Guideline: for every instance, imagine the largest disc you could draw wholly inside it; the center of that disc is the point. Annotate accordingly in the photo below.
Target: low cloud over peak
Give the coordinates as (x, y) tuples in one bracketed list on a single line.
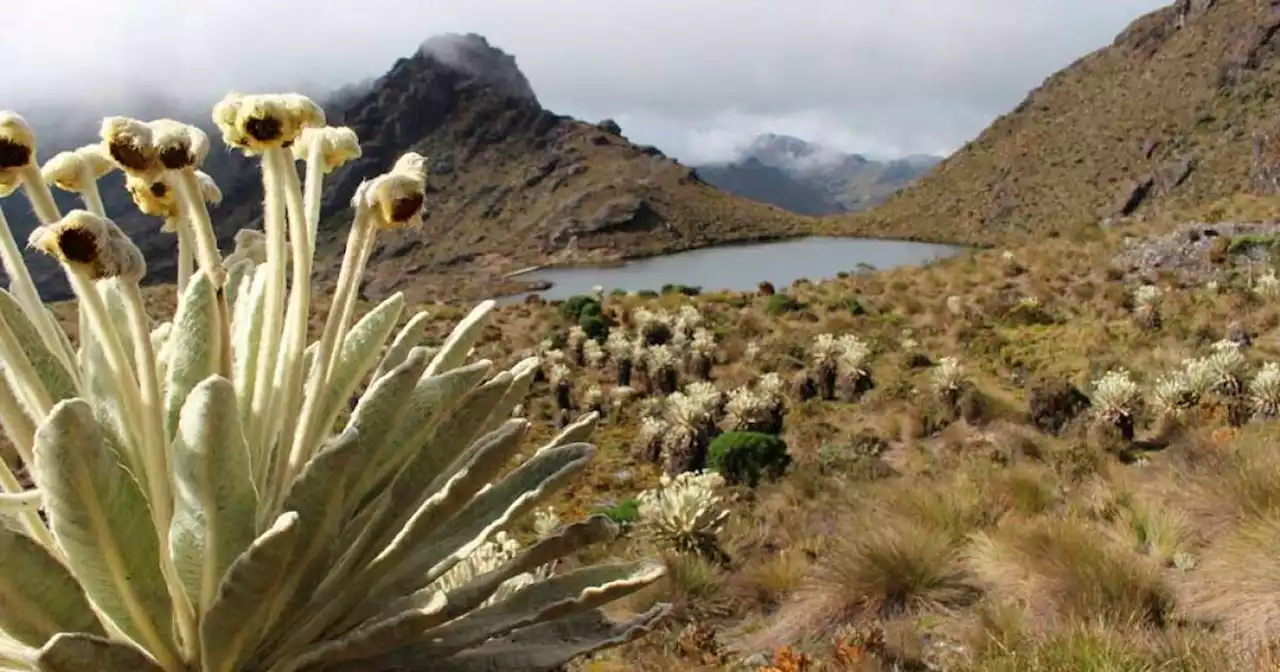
[(700, 80)]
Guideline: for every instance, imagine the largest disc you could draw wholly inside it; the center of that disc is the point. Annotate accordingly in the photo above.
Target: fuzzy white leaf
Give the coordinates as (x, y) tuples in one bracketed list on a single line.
[(38, 595), (232, 627), (357, 355), (58, 382), (101, 519), (215, 502), (77, 652), (408, 338), (194, 348), (457, 346)]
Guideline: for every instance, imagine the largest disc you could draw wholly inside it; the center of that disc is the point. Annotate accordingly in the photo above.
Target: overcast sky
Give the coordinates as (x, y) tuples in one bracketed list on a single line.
[(698, 78)]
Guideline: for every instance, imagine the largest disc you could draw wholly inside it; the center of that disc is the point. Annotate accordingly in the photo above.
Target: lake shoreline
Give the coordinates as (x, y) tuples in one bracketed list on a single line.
[(735, 266)]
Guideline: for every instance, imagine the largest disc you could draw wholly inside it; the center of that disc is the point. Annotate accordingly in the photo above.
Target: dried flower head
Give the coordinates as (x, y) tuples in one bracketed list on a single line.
[(69, 171), (154, 195), (255, 123), (397, 196), (17, 150), (338, 145), (179, 146), (91, 245), (131, 145)]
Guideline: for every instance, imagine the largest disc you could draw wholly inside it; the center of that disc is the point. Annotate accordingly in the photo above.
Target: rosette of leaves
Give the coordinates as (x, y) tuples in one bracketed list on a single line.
[(202, 508)]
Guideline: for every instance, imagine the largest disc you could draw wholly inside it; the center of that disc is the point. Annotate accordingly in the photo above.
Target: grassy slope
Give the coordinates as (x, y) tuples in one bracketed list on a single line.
[(1016, 549), (1062, 159)]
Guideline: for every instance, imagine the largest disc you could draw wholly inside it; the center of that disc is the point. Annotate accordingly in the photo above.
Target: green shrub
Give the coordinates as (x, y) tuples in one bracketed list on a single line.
[(573, 308), (782, 303), (744, 457), (686, 290), (596, 327), (625, 512), (855, 307), (647, 294)]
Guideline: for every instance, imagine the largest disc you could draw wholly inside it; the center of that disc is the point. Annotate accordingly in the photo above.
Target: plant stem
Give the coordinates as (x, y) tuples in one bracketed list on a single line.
[(186, 258), (311, 195), (39, 195), (308, 429), (274, 221), (206, 243), (91, 196), (155, 447), (289, 372), (122, 374), (24, 290), (349, 300)]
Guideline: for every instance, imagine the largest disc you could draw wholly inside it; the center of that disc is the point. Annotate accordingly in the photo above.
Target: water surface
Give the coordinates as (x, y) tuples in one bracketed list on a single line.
[(740, 267)]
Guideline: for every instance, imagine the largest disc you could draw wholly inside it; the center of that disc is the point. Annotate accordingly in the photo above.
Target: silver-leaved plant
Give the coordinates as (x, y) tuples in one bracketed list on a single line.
[(197, 507)]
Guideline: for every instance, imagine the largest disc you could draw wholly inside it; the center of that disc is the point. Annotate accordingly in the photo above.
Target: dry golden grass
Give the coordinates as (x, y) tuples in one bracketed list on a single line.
[(1061, 571), (1236, 583)]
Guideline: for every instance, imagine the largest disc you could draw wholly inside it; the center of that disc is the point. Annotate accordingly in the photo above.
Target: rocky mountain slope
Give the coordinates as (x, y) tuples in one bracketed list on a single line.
[(809, 179), (511, 185), (1178, 112)]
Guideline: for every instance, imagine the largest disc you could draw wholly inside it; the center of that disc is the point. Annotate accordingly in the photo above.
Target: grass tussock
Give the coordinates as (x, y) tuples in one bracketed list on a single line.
[(1060, 571), (1235, 584)]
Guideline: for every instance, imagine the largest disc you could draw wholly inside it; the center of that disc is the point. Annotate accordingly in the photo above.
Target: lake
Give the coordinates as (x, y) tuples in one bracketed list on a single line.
[(740, 267)]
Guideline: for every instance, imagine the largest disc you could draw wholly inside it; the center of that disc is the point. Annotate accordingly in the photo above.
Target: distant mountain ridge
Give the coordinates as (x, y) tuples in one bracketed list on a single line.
[(511, 184), (809, 179)]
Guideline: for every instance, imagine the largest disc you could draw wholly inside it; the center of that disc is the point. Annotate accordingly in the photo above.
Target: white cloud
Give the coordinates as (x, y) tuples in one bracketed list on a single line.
[(695, 77)]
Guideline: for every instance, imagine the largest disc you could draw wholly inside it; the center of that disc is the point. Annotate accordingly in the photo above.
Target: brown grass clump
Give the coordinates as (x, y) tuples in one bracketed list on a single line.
[(1060, 571), (880, 567), (1236, 583)]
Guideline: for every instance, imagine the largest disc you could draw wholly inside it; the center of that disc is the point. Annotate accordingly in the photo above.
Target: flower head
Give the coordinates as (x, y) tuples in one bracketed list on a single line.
[(17, 150), (131, 145), (179, 145), (398, 195), (256, 123), (338, 145), (68, 170), (92, 245), (153, 195)]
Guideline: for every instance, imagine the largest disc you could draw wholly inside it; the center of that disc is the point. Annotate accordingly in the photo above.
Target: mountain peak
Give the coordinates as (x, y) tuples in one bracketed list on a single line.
[(473, 56)]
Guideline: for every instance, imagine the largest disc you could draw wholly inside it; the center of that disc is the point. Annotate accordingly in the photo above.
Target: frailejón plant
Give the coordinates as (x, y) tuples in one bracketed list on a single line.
[(202, 512)]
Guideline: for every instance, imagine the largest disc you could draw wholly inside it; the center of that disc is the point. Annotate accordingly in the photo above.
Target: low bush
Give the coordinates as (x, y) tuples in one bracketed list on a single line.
[(745, 457)]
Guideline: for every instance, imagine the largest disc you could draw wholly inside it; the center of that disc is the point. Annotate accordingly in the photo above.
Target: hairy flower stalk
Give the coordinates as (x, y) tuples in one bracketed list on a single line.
[(17, 164), (268, 125), (78, 172), (390, 201), (387, 548), (325, 150), (93, 249)]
